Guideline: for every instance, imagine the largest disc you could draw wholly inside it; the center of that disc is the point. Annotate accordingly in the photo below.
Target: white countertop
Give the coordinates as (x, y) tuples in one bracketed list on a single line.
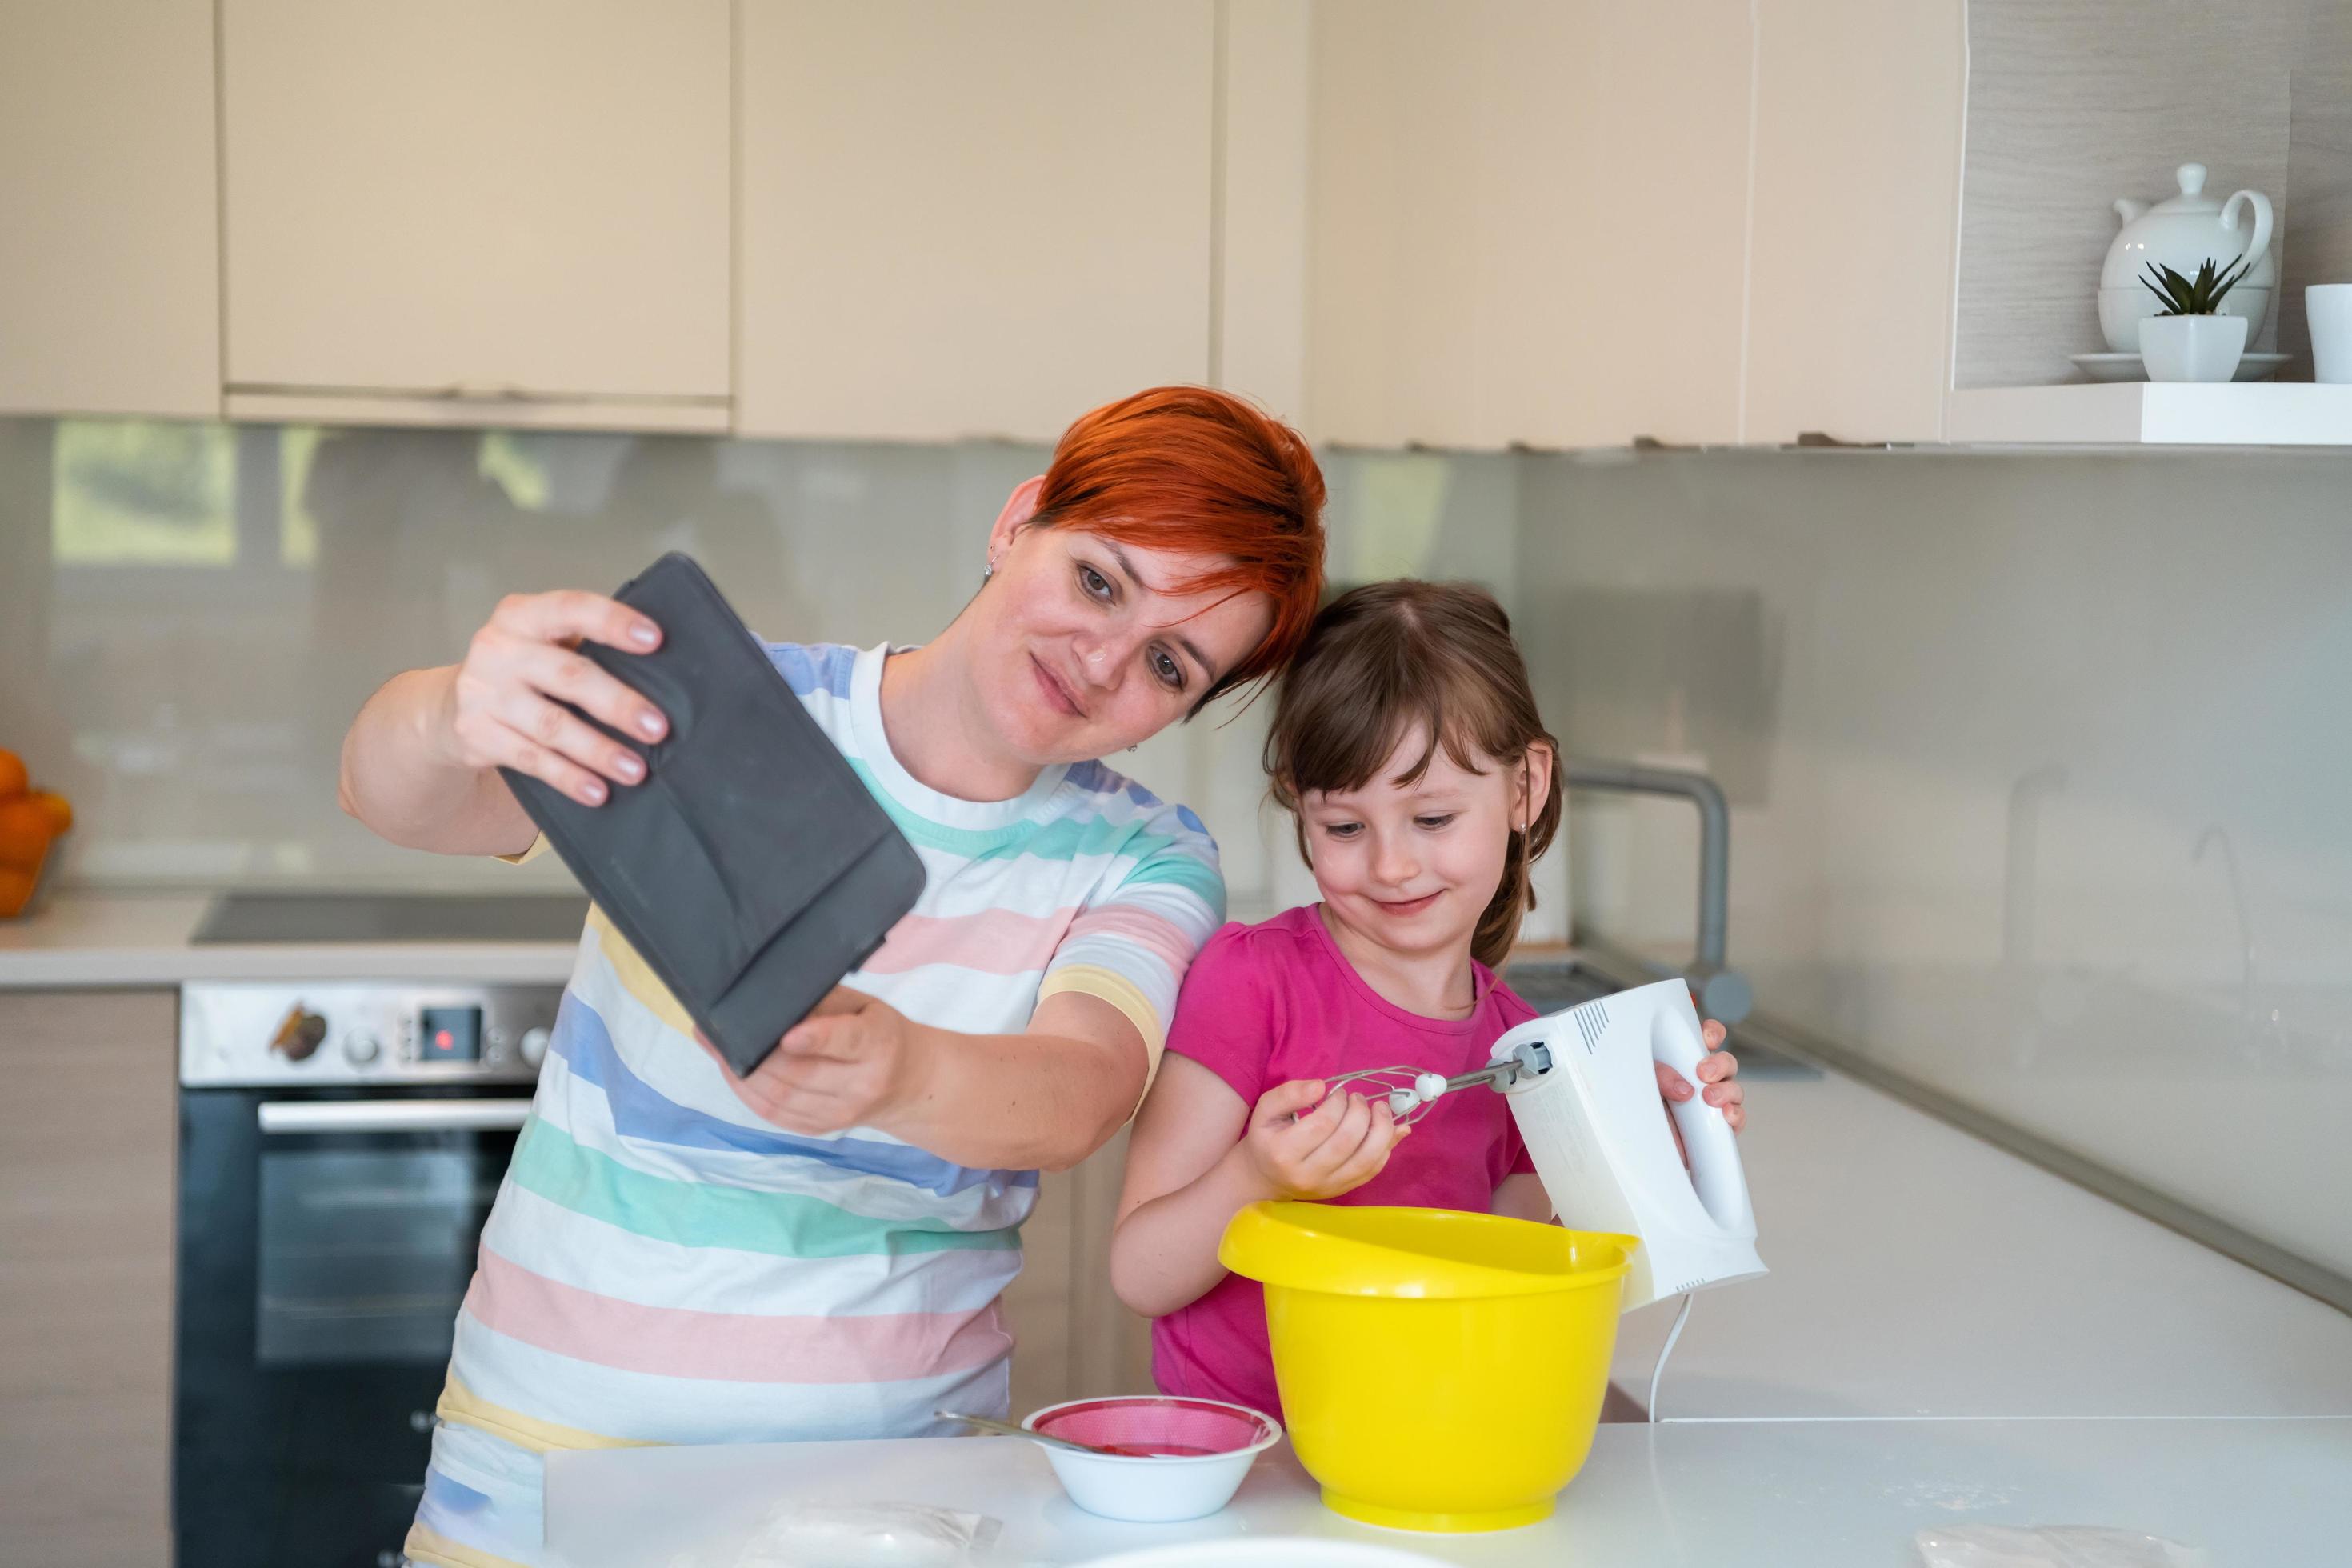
[(2258, 1494), (1918, 1271), (1949, 1335), (113, 939)]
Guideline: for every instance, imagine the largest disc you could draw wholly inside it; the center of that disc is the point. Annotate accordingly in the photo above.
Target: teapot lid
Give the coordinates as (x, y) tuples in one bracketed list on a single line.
[(2192, 197)]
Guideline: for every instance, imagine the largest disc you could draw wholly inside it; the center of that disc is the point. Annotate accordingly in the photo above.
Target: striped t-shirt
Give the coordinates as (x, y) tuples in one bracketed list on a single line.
[(664, 1266)]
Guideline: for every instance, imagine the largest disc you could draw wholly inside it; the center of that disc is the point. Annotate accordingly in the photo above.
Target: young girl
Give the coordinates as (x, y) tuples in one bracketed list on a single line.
[(1406, 743)]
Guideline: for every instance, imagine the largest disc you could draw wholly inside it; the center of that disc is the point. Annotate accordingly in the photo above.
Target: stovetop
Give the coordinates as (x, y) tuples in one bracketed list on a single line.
[(274, 916)]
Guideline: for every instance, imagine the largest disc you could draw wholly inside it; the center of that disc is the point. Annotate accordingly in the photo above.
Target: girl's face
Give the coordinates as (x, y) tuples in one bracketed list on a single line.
[(1410, 868), (1082, 647)]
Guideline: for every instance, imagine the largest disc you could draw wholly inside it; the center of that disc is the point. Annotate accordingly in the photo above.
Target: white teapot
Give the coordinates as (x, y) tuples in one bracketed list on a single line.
[(2180, 232)]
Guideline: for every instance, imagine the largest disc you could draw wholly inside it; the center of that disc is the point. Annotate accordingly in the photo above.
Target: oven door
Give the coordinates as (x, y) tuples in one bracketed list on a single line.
[(326, 1239)]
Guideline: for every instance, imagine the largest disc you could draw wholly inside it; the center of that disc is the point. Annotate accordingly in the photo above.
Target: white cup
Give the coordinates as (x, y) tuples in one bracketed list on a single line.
[(2328, 308)]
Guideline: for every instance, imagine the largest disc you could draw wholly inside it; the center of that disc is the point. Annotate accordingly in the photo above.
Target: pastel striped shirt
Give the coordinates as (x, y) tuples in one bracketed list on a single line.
[(664, 1266)]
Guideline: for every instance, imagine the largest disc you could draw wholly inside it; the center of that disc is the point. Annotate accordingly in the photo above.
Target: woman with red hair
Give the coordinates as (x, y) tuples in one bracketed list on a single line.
[(816, 1251)]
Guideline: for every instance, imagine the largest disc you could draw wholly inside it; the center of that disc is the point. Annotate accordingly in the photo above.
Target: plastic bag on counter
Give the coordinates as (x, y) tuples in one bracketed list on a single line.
[(2052, 1546), (851, 1535)]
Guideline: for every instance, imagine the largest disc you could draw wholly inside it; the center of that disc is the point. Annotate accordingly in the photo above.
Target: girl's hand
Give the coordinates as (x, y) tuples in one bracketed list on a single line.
[(1718, 1080), (851, 1063), (1334, 1148), (501, 713)]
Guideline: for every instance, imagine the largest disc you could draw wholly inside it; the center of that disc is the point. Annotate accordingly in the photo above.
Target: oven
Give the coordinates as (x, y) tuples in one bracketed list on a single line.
[(340, 1148)]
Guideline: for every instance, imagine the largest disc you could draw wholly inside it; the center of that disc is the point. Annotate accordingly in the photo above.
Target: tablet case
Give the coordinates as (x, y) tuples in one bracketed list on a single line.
[(750, 869)]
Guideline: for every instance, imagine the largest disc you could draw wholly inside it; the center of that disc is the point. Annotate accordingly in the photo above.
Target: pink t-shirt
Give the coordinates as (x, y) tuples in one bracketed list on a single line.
[(1269, 1004)]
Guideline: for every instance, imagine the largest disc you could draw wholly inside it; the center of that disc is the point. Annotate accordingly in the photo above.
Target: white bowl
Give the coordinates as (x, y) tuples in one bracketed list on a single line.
[(1154, 1488)]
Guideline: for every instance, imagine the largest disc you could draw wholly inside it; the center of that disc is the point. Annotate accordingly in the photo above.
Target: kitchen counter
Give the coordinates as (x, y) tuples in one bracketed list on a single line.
[(90, 940), (1819, 1493), (1917, 1271), (1949, 1335)]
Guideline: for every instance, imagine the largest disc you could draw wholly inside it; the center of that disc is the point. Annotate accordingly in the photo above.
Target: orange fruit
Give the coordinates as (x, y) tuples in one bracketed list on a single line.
[(24, 832), (60, 810), (15, 891), (14, 780)]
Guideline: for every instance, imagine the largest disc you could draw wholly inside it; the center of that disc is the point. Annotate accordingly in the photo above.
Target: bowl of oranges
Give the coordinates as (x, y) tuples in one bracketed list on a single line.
[(31, 822)]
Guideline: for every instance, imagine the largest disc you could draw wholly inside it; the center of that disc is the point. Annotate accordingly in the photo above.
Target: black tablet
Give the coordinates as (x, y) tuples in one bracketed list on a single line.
[(751, 868)]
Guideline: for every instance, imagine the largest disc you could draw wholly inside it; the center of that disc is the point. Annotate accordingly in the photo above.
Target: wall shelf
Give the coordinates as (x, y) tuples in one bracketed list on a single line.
[(2158, 414)]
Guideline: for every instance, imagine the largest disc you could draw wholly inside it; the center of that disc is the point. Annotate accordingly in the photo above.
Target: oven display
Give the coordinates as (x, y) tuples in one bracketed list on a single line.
[(450, 1034)]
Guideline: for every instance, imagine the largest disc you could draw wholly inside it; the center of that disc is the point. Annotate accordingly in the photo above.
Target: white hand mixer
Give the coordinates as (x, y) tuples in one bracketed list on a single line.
[(1584, 1093)]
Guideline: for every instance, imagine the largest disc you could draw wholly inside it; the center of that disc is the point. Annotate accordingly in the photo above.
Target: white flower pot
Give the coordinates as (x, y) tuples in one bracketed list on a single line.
[(2191, 348)]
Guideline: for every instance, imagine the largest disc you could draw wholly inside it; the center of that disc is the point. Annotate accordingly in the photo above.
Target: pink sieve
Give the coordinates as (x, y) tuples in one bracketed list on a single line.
[(1139, 1428)]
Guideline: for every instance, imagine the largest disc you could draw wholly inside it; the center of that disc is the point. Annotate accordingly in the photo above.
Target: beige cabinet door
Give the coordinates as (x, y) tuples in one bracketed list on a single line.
[(1528, 221), (1856, 219), (110, 280), (514, 213), (89, 1138), (970, 220)]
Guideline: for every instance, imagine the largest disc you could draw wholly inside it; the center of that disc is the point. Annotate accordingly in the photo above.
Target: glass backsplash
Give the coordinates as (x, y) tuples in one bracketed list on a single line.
[(2038, 771), (191, 614), (2037, 763)]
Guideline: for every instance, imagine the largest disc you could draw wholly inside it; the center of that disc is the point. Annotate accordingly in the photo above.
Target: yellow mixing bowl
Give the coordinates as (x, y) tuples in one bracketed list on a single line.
[(1439, 1371)]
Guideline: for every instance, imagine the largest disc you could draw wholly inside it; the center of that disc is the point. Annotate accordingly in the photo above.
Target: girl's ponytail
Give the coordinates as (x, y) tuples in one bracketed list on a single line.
[(1498, 926)]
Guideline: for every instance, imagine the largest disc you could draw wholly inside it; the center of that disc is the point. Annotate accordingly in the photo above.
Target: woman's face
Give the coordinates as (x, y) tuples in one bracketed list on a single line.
[(1082, 647)]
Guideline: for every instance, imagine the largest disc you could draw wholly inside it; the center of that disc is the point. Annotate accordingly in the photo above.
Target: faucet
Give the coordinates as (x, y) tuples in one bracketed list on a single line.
[(1723, 992)]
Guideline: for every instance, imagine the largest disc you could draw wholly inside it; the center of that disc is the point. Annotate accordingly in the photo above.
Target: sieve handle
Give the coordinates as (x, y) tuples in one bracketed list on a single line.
[(991, 1423)]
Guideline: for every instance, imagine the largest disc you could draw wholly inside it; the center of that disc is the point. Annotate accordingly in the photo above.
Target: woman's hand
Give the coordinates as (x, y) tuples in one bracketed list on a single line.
[(1334, 1148), (1718, 1080), (501, 712), (853, 1062)]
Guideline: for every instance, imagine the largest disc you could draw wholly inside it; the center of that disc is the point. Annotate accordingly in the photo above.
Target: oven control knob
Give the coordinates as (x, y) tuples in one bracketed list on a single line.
[(534, 1047), (360, 1047), (298, 1033)]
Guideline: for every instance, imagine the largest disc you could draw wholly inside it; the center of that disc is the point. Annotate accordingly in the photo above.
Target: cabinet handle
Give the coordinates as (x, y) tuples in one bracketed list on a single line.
[(484, 392), (391, 1115)]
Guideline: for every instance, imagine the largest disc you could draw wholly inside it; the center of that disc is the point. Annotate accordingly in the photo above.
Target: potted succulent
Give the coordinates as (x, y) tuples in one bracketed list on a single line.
[(2191, 339)]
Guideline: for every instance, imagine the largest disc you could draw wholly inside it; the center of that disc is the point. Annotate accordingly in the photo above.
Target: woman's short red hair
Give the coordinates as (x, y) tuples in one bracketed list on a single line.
[(1189, 468)]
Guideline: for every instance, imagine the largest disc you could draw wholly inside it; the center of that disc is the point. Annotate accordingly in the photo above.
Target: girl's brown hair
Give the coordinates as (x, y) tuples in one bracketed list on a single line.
[(1387, 658)]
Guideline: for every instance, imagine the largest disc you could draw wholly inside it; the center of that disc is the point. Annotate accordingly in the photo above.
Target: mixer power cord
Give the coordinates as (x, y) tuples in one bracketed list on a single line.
[(1664, 1350)]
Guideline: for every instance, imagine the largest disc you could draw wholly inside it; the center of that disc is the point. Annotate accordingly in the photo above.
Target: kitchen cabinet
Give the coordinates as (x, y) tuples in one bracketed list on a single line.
[(1855, 218), (452, 213), (970, 220), (109, 282), (1571, 225), (1528, 222), (88, 1140)]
